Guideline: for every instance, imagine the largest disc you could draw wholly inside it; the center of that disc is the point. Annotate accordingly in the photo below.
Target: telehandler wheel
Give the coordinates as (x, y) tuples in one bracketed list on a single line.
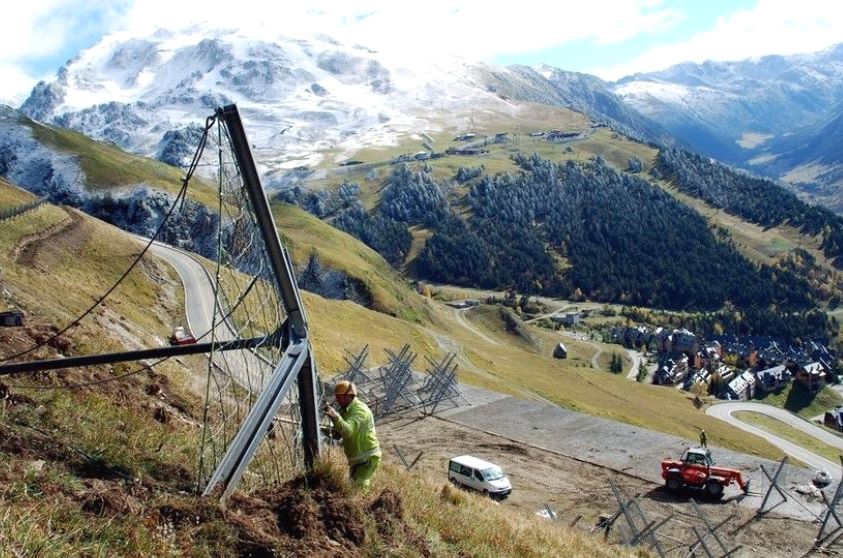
[(673, 483), (714, 490)]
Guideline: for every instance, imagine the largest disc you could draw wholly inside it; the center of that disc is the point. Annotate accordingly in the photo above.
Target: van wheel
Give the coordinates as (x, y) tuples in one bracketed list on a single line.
[(485, 493)]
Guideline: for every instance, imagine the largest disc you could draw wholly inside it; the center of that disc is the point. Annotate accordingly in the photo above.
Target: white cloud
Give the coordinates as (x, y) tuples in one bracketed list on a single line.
[(35, 30), (771, 27), (16, 84), (472, 28), (475, 29)]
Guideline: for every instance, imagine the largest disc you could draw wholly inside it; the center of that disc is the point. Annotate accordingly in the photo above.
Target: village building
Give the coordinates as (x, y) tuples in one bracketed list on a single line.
[(811, 375), (568, 320), (683, 341), (671, 370), (774, 378), (560, 351), (743, 386), (696, 377), (834, 418)]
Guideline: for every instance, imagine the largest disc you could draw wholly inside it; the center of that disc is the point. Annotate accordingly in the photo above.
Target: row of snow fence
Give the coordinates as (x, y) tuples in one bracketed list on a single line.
[(7, 213)]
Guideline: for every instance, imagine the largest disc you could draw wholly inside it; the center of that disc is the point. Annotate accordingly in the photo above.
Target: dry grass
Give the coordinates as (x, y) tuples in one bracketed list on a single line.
[(304, 234), (69, 288), (11, 195), (459, 522)]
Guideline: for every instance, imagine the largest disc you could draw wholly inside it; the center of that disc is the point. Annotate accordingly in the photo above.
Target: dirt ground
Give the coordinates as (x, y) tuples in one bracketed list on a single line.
[(574, 488)]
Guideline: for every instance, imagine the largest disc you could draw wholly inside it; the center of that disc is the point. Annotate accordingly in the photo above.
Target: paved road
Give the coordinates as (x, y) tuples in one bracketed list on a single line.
[(247, 369), (198, 290), (635, 356), (724, 411)]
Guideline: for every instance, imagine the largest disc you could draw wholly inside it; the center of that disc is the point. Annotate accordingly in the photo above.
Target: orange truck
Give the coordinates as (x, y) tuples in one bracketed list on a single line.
[(696, 470)]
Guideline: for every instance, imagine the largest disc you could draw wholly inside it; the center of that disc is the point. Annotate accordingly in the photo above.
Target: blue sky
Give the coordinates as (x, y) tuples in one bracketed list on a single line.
[(608, 38), (590, 55)]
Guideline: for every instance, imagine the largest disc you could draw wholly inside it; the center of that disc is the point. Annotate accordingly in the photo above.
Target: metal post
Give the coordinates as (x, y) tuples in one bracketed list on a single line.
[(242, 449), (701, 542), (831, 512), (278, 257), (708, 526), (309, 406), (143, 354), (773, 485), (282, 268)]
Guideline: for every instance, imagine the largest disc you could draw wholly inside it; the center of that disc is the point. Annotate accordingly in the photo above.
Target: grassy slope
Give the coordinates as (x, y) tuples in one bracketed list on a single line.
[(70, 288), (11, 195), (789, 433), (305, 234), (57, 504), (109, 168)]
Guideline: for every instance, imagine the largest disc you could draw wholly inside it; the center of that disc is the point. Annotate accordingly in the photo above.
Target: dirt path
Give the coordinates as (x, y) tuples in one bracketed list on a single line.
[(68, 231), (595, 359), (460, 315)]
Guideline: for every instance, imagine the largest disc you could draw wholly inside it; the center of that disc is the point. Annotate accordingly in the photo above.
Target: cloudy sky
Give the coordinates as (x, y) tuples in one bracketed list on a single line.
[(608, 38)]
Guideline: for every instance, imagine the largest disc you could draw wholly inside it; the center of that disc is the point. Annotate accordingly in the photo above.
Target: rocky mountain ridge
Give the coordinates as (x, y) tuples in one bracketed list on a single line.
[(299, 98), (770, 115)]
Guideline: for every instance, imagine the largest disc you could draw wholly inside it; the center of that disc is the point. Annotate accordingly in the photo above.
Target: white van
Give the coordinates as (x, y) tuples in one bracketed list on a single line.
[(478, 474)]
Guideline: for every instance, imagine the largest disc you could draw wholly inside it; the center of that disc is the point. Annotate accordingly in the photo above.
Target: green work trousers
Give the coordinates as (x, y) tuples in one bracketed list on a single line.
[(363, 473)]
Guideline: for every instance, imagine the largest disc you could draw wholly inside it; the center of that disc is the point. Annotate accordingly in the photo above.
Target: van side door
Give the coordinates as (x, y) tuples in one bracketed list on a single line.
[(479, 481)]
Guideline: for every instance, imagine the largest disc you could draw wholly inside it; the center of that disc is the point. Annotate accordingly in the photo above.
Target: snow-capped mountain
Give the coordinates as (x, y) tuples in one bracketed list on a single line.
[(729, 110), (299, 97)]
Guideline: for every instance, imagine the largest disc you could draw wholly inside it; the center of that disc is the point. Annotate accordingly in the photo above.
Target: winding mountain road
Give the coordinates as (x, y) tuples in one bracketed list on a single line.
[(198, 290), (247, 368), (723, 411)]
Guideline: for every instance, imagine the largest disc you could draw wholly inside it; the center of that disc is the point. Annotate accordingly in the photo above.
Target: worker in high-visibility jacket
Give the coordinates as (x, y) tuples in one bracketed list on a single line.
[(356, 425)]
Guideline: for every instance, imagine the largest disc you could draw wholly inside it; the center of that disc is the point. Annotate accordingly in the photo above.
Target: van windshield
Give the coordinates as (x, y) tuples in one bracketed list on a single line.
[(492, 473)]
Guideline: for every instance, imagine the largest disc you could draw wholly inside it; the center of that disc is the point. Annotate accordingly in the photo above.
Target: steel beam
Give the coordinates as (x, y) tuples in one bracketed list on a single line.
[(145, 354), (285, 277), (239, 454)]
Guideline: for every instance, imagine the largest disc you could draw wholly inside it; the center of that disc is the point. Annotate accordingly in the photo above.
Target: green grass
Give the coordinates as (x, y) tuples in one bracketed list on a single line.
[(789, 433), (305, 234), (11, 195), (107, 167), (796, 399)]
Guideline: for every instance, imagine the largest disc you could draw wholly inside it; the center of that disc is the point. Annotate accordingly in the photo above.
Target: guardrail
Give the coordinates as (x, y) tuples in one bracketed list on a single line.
[(7, 213)]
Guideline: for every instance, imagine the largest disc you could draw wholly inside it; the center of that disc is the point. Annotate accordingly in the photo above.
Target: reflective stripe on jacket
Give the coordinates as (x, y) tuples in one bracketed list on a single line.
[(356, 425)]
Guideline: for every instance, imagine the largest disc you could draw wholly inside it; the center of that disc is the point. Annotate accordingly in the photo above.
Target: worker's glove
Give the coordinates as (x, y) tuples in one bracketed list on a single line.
[(332, 413)]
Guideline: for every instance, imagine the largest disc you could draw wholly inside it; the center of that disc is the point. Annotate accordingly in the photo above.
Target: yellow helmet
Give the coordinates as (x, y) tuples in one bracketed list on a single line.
[(345, 388)]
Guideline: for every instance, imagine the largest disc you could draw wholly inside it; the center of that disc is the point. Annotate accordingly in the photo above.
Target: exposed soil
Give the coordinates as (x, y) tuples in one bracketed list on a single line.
[(64, 237), (576, 488), (307, 516)]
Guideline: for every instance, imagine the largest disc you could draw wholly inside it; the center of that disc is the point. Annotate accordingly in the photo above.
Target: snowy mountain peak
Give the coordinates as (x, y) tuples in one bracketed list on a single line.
[(142, 91)]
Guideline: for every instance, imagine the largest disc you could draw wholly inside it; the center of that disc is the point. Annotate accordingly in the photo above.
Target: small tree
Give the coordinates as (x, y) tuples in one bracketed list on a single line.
[(635, 164), (616, 366), (310, 278)]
